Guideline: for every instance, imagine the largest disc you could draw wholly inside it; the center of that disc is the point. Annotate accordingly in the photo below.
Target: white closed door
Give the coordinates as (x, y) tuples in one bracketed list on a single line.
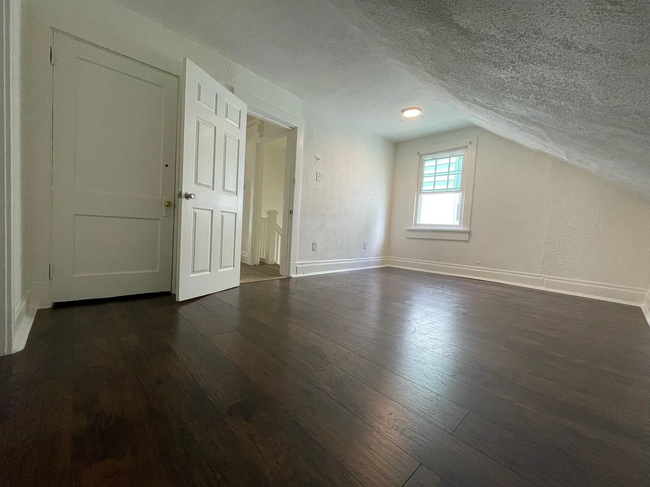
[(115, 125), (212, 186)]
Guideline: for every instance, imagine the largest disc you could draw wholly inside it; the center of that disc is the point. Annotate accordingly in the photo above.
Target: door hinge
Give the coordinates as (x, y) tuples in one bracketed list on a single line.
[(50, 272), (52, 56)]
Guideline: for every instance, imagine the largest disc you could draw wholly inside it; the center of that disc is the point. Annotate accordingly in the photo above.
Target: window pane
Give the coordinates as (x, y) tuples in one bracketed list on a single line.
[(456, 163), (439, 209), (443, 173), (454, 182), (442, 165), (441, 183)]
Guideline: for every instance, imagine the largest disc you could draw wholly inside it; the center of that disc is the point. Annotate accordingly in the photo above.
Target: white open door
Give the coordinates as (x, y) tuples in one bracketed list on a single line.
[(212, 182)]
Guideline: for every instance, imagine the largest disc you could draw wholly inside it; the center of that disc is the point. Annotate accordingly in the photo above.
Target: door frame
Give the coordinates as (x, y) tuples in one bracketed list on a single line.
[(7, 315), (293, 172)]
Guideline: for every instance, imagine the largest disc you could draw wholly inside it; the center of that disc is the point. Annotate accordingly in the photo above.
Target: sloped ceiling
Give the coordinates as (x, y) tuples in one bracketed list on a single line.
[(568, 77)]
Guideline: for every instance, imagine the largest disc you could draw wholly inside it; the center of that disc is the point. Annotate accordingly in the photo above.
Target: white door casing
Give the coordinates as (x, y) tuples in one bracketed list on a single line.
[(295, 142), (257, 203), (287, 209), (114, 157), (212, 171)]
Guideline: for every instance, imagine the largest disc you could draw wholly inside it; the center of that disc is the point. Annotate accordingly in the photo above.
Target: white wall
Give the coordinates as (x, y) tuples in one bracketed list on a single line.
[(532, 214), (357, 165), (596, 230), (349, 205)]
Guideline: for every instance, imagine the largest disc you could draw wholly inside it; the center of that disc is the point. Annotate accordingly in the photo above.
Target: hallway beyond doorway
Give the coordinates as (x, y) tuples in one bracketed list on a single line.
[(262, 272)]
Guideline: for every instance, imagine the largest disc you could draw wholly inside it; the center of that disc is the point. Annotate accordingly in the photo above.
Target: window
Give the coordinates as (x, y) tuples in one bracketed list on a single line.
[(440, 197), (443, 200)]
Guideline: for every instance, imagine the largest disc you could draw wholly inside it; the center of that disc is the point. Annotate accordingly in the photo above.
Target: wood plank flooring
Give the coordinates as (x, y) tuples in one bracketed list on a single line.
[(377, 377)]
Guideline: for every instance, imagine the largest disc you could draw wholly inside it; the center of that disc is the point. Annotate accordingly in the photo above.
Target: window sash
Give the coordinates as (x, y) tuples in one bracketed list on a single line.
[(439, 174), (456, 213)]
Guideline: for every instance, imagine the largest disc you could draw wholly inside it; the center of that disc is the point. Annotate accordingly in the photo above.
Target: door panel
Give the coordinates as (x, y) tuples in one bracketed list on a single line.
[(126, 244), (115, 124), (211, 174), (206, 146), (231, 164), (228, 239), (202, 231)]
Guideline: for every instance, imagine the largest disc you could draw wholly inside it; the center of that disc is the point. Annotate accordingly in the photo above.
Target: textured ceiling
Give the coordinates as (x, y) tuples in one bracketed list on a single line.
[(311, 49), (567, 77)]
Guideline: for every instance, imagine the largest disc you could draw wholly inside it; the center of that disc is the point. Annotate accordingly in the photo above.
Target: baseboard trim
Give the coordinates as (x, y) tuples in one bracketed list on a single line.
[(645, 307), (23, 321), (313, 268), (38, 297), (573, 287), (606, 292), (457, 270)]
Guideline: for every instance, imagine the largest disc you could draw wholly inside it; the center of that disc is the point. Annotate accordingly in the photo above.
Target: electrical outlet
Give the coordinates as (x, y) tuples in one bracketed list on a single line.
[(319, 177), (365, 245), (314, 246)]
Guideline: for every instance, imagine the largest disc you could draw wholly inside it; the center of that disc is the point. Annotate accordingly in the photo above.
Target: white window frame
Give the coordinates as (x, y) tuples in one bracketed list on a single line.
[(447, 232)]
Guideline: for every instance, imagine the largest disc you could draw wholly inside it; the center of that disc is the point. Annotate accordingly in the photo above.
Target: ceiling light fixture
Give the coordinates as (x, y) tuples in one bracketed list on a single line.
[(412, 112)]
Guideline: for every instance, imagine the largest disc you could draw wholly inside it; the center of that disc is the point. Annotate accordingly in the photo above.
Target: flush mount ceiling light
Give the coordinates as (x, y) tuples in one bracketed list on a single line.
[(411, 112)]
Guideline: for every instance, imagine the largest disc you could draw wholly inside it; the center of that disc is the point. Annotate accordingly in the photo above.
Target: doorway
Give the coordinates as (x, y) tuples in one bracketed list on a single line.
[(128, 217), (265, 232)]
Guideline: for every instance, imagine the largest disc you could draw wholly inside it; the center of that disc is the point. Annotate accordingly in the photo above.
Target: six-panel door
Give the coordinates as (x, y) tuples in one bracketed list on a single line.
[(211, 176)]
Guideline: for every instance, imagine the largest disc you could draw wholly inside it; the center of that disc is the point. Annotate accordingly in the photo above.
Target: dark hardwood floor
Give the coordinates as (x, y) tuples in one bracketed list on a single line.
[(378, 377)]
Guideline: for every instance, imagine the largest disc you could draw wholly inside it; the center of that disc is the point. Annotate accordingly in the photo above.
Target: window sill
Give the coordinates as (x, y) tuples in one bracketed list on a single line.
[(438, 233)]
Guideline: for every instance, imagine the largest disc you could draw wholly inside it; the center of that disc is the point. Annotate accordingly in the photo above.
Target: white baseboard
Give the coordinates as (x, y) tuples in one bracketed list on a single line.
[(606, 292), (36, 298), (645, 307), (574, 287), (458, 270), (312, 268), (23, 320)]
